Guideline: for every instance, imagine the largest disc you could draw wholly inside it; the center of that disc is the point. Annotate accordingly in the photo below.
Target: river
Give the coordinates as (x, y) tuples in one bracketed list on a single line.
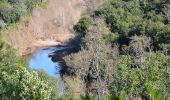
[(40, 60)]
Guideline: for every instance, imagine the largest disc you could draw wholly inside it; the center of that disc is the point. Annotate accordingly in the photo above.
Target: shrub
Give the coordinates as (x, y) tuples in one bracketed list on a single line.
[(147, 77), (11, 10), (17, 82), (22, 84), (135, 17), (52, 82), (110, 38), (83, 25), (11, 16)]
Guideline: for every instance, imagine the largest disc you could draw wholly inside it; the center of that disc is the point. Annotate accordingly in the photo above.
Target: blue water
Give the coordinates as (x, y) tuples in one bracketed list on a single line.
[(40, 60)]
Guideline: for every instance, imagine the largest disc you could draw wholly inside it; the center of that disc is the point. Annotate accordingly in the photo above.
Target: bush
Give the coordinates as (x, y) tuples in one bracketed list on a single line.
[(22, 84), (135, 17), (11, 16), (52, 82), (110, 38), (146, 77), (83, 25), (11, 10), (17, 82), (9, 60)]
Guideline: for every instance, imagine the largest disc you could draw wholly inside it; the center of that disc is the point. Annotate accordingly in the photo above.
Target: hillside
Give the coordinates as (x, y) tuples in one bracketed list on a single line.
[(51, 25), (29, 25), (123, 52)]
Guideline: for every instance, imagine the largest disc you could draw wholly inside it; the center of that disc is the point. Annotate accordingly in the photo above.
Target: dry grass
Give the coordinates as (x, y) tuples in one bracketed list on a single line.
[(53, 22), (76, 86), (45, 24)]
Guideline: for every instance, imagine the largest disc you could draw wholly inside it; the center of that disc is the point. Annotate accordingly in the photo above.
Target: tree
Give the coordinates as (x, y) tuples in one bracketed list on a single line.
[(140, 73), (17, 82), (83, 25), (23, 84), (94, 64)]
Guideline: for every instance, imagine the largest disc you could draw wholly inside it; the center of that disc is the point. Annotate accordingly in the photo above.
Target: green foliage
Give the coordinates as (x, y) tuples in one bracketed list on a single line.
[(110, 38), (16, 82), (83, 25), (22, 84), (30, 4), (10, 15), (86, 97), (149, 77), (139, 17), (52, 82), (139, 71), (12, 10), (9, 61), (122, 95), (111, 98), (157, 95)]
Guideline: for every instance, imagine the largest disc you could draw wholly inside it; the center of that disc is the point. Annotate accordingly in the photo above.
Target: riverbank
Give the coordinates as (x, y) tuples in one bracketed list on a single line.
[(50, 60), (48, 26), (45, 24)]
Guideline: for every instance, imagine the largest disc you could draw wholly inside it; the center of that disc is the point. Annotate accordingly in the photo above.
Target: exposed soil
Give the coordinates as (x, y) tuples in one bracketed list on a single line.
[(52, 25)]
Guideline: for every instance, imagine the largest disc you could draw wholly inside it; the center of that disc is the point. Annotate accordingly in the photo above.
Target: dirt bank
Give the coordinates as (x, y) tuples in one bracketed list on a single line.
[(48, 26)]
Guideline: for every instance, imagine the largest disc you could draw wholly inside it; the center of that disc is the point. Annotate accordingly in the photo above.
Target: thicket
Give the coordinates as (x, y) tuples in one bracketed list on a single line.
[(82, 26), (12, 10), (141, 18), (18, 82), (125, 52)]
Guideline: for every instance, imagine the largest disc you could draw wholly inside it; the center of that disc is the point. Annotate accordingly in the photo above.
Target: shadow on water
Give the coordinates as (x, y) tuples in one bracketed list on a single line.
[(57, 56), (51, 60)]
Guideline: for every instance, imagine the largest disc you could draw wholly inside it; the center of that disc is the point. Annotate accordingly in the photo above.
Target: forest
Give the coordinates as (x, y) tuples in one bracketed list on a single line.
[(124, 51), (124, 54)]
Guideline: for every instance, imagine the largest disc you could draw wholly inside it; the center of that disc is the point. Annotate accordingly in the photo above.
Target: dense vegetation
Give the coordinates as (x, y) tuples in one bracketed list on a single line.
[(140, 17), (12, 10), (125, 51), (125, 54), (18, 82)]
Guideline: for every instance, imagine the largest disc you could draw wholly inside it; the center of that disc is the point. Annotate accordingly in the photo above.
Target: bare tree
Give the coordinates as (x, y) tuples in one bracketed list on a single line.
[(94, 64)]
